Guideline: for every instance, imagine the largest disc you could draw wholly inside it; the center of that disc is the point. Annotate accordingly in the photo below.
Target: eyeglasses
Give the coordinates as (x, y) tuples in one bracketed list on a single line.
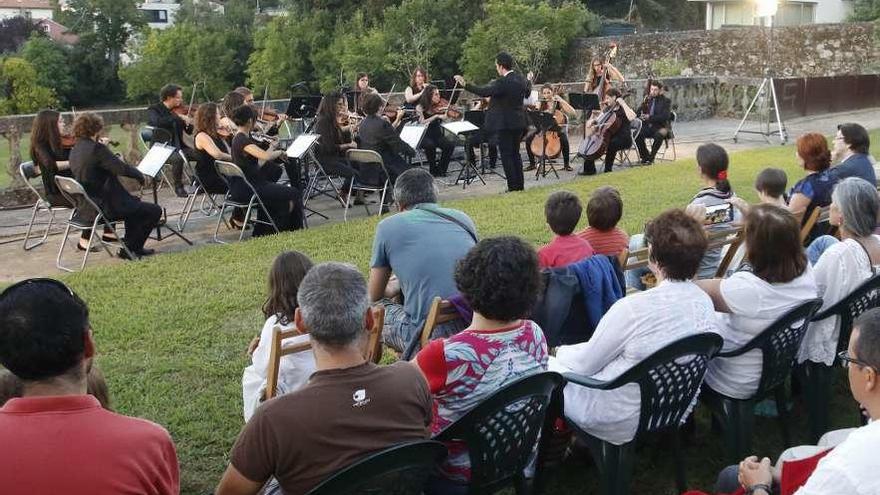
[(845, 361), (49, 281)]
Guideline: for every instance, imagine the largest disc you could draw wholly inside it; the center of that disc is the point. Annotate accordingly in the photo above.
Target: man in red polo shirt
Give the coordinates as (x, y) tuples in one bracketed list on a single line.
[(56, 438)]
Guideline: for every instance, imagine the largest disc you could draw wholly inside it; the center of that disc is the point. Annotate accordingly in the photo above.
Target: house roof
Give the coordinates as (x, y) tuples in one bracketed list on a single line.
[(26, 4)]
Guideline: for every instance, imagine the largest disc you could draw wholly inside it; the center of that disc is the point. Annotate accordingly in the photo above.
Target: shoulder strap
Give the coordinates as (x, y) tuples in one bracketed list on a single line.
[(870, 263), (453, 220)]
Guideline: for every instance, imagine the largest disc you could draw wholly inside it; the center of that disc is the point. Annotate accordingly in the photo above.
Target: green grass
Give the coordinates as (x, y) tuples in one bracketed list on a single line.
[(172, 331)]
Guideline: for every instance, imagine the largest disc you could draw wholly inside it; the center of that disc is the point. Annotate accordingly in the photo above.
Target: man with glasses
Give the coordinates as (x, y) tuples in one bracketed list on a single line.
[(56, 438), (850, 150), (851, 467)]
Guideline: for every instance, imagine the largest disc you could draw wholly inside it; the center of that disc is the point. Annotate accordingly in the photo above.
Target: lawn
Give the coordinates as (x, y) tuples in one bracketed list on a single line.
[(172, 331)]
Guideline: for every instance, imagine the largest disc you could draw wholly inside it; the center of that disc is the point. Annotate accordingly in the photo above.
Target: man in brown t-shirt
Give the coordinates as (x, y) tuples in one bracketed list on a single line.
[(348, 409)]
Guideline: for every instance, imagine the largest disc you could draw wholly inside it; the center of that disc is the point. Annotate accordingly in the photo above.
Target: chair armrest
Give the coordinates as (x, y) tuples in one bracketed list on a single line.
[(828, 313), (588, 382)]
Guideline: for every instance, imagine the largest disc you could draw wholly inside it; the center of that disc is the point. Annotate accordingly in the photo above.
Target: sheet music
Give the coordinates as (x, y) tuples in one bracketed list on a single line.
[(460, 127), (412, 135), (301, 145), (155, 158)]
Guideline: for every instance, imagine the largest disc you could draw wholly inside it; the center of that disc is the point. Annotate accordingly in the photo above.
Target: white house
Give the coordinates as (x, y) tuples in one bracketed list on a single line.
[(29, 9), (159, 13), (721, 13)]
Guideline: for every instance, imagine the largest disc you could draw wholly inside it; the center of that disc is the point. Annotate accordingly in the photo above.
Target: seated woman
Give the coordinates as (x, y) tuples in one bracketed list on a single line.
[(336, 139), (210, 147), (286, 273), (283, 202), (432, 115), (846, 264), (499, 278), (637, 326), (814, 190), (749, 301), (551, 103), (98, 170)]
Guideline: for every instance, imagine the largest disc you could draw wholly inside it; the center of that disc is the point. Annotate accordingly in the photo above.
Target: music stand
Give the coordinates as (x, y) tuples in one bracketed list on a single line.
[(300, 150), (543, 122), (151, 165), (463, 129), (586, 103), (478, 118)]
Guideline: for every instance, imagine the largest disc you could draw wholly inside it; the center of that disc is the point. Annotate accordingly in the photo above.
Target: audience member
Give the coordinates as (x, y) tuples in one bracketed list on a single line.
[(851, 145), (420, 246), (348, 409), (637, 326), (814, 190), (65, 442), (770, 185), (499, 279), (749, 301), (851, 467), (844, 265), (287, 272), (563, 212), (604, 211)]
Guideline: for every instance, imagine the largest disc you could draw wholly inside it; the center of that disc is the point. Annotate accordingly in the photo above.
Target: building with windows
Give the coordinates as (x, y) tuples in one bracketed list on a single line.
[(724, 13), (160, 13), (29, 9)]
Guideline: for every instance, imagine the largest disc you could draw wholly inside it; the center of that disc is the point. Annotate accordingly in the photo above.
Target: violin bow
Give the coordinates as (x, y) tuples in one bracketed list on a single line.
[(265, 99), (449, 103)]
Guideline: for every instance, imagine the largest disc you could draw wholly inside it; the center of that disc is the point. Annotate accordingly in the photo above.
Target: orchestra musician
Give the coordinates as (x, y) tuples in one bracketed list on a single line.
[(431, 113), (268, 128), (50, 156), (283, 202), (655, 114), (362, 88), (98, 170), (210, 147), (417, 83), (599, 67), (477, 138), (621, 138), (550, 102), (333, 125), (377, 134), (161, 116), (506, 117)]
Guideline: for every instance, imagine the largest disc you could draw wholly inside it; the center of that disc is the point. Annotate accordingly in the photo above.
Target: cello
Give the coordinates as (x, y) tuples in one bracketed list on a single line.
[(547, 144), (599, 134)]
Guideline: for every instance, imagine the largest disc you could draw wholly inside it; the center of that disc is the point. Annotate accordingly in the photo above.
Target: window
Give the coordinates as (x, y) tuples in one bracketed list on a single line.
[(796, 14), (156, 16)]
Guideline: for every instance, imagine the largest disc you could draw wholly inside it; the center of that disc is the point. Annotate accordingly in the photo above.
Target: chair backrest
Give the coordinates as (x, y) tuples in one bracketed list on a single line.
[(635, 127), (146, 135), (367, 158), (670, 379), (502, 431), (401, 470), (28, 172), (228, 169), (151, 135), (640, 259), (818, 215), (779, 345), (374, 343), (441, 311), (733, 243), (863, 298), (76, 194), (622, 257)]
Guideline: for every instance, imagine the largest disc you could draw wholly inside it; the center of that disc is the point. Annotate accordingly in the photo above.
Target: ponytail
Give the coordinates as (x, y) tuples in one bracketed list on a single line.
[(713, 162)]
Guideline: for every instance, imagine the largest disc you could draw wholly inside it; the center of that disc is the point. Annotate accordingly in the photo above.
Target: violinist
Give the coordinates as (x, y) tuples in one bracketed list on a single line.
[(431, 111), (601, 70), (268, 120), (362, 88), (162, 116), (377, 134), (417, 83), (98, 170), (228, 104), (655, 113), (333, 126), (620, 135), (210, 147), (550, 102)]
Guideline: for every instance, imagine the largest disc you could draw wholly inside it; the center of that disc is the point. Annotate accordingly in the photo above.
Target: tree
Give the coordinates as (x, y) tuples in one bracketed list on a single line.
[(865, 10), (516, 26), (655, 14), (111, 23), (283, 49), (52, 63), (14, 32), (21, 92)]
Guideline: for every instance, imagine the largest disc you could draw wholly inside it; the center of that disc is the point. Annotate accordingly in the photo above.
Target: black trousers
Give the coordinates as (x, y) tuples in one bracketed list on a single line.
[(563, 141), (618, 143), (177, 165), (508, 144), (650, 131), (432, 140), (140, 219), (474, 141), (284, 204)]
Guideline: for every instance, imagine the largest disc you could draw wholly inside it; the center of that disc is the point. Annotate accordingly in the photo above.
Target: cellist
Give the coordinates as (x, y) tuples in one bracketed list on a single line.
[(551, 102), (620, 136)]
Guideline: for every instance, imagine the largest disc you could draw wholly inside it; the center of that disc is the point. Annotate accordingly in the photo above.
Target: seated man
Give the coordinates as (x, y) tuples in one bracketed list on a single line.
[(851, 468), (562, 211), (377, 134), (421, 246), (348, 409), (56, 437), (655, 113), (851, 152), (161, 116)]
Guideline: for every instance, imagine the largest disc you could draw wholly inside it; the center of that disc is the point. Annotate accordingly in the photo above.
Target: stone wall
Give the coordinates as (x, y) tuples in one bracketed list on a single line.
[(800, 51)]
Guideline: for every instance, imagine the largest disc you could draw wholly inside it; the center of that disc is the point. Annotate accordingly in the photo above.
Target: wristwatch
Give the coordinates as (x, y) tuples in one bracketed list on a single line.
[(764, 489)]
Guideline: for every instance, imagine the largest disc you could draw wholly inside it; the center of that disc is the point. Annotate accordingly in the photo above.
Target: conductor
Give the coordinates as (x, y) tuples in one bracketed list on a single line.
[(506, 117)]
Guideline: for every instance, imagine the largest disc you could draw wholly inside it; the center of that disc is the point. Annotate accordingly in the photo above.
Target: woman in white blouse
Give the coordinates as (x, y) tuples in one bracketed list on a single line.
[(637, 326), (777, 279), (286, 274), (846, 264)]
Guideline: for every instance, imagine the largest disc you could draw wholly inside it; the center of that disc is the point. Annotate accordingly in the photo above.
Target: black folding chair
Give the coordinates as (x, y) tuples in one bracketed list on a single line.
[(229, 171)]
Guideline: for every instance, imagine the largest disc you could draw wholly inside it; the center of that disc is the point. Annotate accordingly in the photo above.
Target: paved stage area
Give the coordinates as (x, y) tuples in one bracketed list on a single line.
[(18, 264)]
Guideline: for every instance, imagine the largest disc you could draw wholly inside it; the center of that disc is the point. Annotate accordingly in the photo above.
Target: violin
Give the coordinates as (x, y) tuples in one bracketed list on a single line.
[(185, 110), (68, 141), (443, 106)]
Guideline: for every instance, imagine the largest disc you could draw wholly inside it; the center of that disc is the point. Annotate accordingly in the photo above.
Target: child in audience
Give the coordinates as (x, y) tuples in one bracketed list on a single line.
[(10, 386), (604, 211), (286, 274), (563, 212), (500, 280)]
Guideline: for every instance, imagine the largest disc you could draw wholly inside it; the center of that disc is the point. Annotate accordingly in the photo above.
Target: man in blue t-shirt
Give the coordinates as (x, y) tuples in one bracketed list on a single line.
[(420, 246), (851, 151)]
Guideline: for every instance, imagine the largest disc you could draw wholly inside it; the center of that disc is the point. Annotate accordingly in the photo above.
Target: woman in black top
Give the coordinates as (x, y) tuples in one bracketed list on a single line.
[(283, 202), (335, 139), (98, 170), (210, 147), (429, 114)]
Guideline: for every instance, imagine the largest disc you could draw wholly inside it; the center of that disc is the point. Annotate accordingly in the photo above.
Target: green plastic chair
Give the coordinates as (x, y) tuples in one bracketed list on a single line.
[(817, 378), (779, 345), (502, 431), (399, 470), (669, 381)]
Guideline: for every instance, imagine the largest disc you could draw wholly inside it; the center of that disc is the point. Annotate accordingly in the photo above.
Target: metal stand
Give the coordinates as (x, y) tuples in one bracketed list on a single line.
[(543, 122), (766, 85), (164, 219)]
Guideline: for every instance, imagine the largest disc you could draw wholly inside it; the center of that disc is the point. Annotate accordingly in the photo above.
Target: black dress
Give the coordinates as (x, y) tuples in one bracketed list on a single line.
[(207, 172), (283, 202), (46, 158)]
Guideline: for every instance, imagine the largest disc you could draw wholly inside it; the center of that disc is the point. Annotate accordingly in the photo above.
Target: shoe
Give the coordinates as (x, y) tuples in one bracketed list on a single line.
[(567, 168), (79, 247), (586, 173), (180, 191), (123, 254), (109, 238), (145, 252)]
